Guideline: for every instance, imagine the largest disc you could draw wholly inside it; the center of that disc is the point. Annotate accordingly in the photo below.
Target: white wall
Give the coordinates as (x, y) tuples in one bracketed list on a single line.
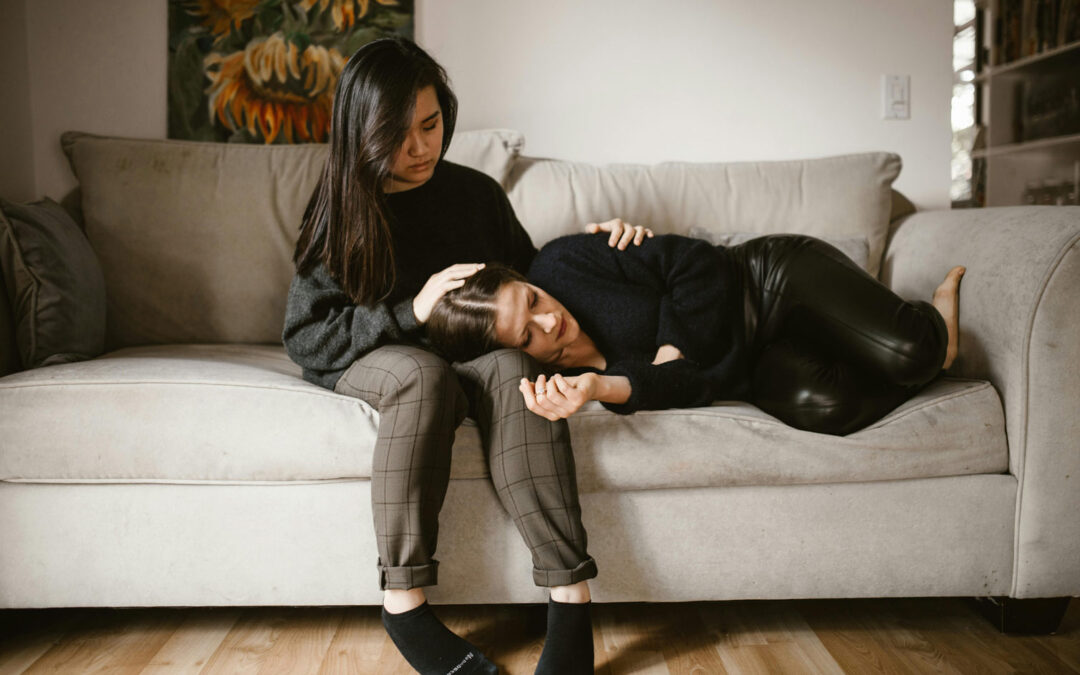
[(96, 66), (16, 147), (704, 80), (600, 81)]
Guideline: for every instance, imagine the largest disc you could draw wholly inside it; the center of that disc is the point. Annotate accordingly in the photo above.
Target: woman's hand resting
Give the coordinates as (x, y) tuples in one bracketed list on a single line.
[(622, 233), (667, 353), (450, 278), (559, 397)]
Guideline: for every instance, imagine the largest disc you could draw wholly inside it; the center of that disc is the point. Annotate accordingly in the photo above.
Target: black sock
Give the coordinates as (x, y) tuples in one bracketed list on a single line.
[(432, 648), (568, 649)]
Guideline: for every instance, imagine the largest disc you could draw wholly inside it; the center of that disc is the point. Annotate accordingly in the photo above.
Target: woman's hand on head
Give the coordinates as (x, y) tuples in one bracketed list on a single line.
[(667, 353), (621, 232), (447, 280), (558, 397)]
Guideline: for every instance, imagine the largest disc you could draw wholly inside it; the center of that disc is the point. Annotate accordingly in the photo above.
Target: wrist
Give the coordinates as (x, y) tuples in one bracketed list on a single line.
[(612, 388), (420, 319)]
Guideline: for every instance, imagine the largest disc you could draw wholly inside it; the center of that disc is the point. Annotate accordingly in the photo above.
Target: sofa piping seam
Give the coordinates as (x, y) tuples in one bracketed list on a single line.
[(290, 388)]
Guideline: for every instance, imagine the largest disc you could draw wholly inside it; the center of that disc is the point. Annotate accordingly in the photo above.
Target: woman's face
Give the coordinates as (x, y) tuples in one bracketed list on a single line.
[(529, 319), (414, 162)]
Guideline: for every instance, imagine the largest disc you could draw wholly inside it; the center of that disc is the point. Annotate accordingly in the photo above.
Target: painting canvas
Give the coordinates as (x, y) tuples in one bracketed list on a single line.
[(264, 71)]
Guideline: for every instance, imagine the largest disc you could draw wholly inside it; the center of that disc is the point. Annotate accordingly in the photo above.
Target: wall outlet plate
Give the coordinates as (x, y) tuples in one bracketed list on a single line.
[(896, 90)]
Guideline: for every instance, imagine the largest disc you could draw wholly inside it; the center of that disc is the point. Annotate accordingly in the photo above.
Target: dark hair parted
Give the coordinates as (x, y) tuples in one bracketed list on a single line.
[(345, 224), (462, 323)]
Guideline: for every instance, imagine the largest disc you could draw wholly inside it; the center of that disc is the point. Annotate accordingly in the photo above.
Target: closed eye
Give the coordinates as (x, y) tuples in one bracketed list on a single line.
[(528, 334)]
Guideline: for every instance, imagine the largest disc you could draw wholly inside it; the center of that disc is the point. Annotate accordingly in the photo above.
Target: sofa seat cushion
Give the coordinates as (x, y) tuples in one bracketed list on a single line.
[(952, 427), (241, 413)]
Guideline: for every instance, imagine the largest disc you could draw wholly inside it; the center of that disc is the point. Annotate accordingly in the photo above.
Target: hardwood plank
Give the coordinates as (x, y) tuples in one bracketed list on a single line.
[(1065, 644), (639, 663), (850, 631), (28, 633), (727, 622), (977, 641), (907, 646), (188, 650), (111, 640), (515, 638), (686, 646), (943, 635), (304, 642), (625, 639), (776, 657), (277, 640), (775, 633), (356, 648)]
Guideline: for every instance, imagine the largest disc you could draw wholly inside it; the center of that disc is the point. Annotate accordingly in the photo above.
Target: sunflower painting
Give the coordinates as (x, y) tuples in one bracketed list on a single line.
[(264, 71)]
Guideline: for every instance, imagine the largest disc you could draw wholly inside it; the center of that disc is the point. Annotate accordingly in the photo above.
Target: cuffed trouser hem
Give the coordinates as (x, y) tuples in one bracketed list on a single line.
[(549, 578), (405, 577)]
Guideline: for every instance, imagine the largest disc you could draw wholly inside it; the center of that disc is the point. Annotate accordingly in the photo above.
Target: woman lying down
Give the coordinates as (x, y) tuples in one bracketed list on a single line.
[(785, 322)]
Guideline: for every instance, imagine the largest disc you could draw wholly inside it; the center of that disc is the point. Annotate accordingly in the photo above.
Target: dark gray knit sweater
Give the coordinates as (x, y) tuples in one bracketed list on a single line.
[(670, 290), (459, 215)]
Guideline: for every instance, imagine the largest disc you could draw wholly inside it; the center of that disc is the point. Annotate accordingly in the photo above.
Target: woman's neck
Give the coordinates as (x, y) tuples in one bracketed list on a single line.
[(586, 354)]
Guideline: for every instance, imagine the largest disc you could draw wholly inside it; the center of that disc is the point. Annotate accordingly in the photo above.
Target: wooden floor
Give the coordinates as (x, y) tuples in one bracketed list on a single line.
[(924, 635)]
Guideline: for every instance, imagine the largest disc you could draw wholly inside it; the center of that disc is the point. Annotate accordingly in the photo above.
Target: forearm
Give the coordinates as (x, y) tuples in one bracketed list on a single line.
[(675, 384), (613, 389), (323, 330)]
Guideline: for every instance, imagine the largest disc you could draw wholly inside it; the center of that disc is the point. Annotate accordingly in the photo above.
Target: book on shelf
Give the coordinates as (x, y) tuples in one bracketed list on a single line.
[(1025, 28), (1049, 106)]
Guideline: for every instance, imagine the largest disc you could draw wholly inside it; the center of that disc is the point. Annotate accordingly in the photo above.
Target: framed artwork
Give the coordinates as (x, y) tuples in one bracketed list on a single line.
[(264, 71)]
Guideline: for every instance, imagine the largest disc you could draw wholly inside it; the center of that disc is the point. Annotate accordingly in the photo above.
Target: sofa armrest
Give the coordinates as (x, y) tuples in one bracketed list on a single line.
[(1019, 329)]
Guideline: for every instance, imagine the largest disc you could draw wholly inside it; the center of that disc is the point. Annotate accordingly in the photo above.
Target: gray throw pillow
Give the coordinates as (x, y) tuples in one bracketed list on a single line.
[(53, 283), (856, 248)]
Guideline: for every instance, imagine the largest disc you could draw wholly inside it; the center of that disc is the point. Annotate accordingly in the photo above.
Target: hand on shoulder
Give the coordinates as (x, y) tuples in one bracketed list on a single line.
[(621, 233)]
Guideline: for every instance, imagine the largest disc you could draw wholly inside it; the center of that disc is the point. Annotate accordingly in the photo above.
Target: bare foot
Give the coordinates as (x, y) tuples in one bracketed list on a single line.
[(947, 301)]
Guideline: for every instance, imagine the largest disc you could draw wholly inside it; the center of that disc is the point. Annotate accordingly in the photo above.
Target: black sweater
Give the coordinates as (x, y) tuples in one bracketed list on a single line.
[(459, 215), (670, 290)]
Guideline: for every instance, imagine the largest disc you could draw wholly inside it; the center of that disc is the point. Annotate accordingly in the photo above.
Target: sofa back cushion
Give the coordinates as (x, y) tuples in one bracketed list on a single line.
[(840, 196), (196, 239), (53, 284)]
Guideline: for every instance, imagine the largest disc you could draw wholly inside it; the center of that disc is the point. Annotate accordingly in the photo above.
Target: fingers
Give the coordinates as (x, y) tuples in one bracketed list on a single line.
[(569, 393), (534, 395), (461, 270), (620, 233), (641, 233), (561, 397), (547, 397), (616, 232)]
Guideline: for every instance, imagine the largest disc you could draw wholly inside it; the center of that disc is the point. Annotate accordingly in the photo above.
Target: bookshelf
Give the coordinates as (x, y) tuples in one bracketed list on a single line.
[(1027, 149)]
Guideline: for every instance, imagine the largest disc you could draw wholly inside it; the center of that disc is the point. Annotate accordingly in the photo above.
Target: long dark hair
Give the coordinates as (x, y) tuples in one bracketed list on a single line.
[(345, 224), (462, 323)]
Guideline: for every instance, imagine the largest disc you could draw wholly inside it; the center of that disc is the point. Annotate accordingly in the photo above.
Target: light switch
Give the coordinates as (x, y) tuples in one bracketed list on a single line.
[(897, 97)]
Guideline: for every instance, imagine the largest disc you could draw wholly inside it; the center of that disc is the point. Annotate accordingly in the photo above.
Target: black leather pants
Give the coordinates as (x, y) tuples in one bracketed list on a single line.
[(834, 349)]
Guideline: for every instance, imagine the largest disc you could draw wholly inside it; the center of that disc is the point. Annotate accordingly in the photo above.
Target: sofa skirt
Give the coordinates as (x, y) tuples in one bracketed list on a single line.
[(312, 543)]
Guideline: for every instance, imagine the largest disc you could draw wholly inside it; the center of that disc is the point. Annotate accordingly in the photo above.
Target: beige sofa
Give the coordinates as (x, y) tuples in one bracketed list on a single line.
[(191, 465)]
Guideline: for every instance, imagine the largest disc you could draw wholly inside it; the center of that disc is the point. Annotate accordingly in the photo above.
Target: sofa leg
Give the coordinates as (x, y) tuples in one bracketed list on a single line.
[(1032, 616)]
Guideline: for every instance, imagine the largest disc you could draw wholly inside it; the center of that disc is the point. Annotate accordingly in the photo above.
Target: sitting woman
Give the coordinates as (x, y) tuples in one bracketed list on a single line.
[(786, 322)]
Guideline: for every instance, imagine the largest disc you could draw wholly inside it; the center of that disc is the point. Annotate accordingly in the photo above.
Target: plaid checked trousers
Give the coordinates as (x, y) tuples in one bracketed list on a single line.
[(421, 400)]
